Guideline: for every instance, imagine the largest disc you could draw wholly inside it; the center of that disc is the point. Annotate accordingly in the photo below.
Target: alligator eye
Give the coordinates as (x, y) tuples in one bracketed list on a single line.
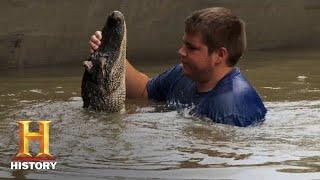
[(88, 65)]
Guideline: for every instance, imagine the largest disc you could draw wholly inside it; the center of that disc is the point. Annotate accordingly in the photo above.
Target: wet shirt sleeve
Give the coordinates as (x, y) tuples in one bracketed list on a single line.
[(159, 87)]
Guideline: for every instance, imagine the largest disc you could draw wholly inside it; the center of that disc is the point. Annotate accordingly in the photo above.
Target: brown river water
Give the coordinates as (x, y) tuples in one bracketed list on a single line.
[(145, 142)]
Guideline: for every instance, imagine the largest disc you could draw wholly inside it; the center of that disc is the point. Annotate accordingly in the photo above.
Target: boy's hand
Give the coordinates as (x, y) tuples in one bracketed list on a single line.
[(94, 41)]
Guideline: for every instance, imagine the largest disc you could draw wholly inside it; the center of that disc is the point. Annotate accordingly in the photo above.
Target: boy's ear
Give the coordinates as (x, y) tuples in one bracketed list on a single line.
[(221, 54)]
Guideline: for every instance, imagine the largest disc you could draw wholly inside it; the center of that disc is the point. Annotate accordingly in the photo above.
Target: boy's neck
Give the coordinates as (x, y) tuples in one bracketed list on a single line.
[(217, 75)]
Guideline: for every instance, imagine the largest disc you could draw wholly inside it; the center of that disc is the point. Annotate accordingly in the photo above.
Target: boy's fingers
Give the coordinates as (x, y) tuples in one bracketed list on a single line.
[(95, 40), (98, 35), (93, 45)]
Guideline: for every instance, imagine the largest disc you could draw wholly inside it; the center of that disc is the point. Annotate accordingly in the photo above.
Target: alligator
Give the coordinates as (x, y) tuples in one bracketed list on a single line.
[(103, 82)]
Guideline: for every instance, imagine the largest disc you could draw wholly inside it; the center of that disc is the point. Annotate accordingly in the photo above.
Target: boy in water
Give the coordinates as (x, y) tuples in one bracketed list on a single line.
[(207, 78)]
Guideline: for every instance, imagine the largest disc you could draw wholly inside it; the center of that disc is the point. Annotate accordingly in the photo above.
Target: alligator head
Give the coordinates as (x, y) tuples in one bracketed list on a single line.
[(103, 83)]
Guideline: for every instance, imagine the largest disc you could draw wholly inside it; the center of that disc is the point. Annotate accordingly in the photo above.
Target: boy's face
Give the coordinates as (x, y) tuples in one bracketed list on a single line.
[(197, 63)]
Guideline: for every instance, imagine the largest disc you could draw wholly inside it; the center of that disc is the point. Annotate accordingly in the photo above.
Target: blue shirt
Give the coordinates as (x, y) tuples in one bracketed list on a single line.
[(232, 101)]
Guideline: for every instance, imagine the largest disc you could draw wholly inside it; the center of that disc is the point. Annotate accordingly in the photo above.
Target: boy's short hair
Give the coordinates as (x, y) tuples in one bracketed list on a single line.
[(219, 28)]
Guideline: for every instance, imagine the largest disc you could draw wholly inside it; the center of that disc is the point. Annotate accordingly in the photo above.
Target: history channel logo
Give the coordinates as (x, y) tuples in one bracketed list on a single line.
[(23, 159)]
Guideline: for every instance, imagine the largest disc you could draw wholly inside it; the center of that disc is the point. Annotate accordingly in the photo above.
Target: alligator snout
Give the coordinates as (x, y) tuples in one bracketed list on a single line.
[(115, 18), (117, 15)]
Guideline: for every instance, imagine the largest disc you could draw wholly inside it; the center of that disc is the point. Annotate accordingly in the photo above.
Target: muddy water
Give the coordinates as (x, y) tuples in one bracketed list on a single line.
[(146, 142)]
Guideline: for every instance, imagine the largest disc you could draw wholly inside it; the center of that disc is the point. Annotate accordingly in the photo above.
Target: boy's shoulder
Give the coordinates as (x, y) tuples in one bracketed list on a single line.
[(234, 101)]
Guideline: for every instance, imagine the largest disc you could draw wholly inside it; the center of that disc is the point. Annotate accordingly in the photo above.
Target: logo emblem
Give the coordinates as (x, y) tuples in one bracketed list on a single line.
[(23, 159), (42, 136)]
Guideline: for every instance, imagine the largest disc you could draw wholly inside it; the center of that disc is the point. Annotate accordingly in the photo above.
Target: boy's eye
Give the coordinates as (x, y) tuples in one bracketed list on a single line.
[(191, 47)]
